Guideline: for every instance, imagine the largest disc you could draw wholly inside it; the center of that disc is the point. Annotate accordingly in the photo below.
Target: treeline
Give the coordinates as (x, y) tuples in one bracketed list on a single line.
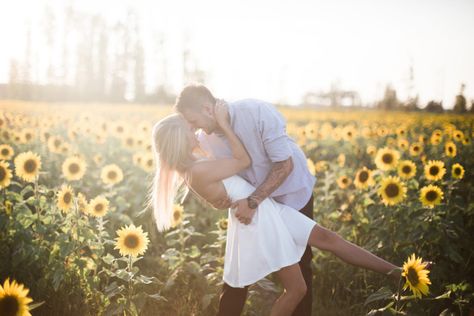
[(71, 55), (391, 102)]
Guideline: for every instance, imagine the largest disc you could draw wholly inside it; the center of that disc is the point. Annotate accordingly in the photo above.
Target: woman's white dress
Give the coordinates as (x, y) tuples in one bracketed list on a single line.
[(277, 237)]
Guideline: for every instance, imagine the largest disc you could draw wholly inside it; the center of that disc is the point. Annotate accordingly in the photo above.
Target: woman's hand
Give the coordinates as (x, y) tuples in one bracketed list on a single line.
[(221, 113)]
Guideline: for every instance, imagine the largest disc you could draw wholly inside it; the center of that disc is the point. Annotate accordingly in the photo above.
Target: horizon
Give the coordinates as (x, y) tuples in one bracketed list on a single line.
[(279, 51)]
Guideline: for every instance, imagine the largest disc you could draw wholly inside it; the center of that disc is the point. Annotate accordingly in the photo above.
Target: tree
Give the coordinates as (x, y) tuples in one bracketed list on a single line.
[(389, 101), (434, 107), (460, 104)]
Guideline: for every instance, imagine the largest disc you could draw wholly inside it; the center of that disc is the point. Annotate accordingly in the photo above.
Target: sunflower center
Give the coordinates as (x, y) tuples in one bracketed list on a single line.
[(434, 170), (112, 174), (120, 129), (129, 141), (450, 149), (67, 198), (57, 143), (431, 195), (344, 180), (392, 190), (363, 176), (412, 276), (149, 163), (5, 151), (3, 173), (416, 148), (30, 166), (131, 241), (406, 169), (177, 216), (99, 207), (457, 171), (387, 158), (74, 168), (28, 136), (9, 306)]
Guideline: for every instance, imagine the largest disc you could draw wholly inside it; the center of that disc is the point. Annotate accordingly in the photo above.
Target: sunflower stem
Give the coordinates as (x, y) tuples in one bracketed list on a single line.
[(130, 288), (398, 293), (37, 209)]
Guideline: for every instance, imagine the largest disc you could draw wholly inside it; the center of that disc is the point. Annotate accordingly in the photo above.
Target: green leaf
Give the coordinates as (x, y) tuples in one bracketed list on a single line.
[(382, 294)]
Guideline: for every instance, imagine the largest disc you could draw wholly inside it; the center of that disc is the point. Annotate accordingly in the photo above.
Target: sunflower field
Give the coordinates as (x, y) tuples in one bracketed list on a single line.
[(77, 236)]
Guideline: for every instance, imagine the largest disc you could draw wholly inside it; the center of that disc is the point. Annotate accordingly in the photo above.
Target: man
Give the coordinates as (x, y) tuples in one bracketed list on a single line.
[(279, 170)]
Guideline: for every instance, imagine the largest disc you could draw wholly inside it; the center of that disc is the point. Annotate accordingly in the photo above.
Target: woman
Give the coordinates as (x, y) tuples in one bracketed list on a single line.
[(275, 239)]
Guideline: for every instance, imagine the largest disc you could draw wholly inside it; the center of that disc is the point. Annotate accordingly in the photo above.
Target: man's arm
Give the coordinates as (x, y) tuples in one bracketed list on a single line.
[(276, 176), (275, 141)]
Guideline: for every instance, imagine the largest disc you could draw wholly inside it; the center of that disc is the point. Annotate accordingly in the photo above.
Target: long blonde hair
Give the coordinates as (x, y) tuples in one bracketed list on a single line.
[(172, 155)]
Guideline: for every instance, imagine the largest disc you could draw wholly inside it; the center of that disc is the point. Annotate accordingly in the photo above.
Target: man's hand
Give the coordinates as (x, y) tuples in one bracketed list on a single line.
[(244, 213), (223, 203)]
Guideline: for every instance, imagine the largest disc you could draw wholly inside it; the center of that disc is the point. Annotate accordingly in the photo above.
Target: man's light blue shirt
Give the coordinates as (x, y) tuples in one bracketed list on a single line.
[(262, 130)]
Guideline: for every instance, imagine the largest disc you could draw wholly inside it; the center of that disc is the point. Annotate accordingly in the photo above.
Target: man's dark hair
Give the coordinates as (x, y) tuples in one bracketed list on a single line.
[(192, 97)]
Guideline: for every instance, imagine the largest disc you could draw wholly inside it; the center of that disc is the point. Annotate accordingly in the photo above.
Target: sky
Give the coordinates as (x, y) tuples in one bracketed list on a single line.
[(279, 50)]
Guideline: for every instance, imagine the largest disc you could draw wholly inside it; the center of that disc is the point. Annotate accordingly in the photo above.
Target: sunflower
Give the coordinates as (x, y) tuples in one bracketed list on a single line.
[(137, 158), (111, 174), (147, 162), (27, 135), (5, 174), (450, 149), (55, 143), (98, 159), (222, 224), (74, 168), (13, 299), (386, 158), (423, 139), (311, 167), (403, 143), (431, 195), (321, 166), (434, 170), (341, 160), (343, 182), (178, 212), (128, 141), (458, 135), (131, 241), (371, 150), (82, 203), (435, 139), (98, 206), (27, 166), (415, 149), (416, 276), (406, 169), (65, 198), (6, 152), (457, 171), (349, 133), (392, 190), (363, 178), (401, 131)]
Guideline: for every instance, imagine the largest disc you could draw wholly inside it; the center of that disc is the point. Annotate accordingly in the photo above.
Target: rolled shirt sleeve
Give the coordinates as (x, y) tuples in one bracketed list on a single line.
[(272, 127)]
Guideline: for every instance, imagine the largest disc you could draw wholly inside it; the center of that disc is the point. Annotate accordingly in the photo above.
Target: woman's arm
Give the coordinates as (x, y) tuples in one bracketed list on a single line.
[(216, 170), (238, 150)]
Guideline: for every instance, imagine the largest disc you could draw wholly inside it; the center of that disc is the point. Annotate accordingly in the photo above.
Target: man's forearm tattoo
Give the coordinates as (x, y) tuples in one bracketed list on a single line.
[(275, 178)]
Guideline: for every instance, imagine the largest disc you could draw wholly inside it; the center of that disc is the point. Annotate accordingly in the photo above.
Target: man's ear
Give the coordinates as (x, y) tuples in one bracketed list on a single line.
[(208, 109)]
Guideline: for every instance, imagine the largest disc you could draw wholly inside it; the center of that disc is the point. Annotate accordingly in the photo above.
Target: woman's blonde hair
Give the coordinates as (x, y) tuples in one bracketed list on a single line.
[(172, 153)]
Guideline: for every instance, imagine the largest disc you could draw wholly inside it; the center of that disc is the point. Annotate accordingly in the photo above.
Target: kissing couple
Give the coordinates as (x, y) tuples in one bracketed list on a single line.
[(253, 168)]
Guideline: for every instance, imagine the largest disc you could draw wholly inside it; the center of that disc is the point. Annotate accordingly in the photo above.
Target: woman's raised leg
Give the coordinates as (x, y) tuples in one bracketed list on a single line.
[(295, 290), (326, 239)]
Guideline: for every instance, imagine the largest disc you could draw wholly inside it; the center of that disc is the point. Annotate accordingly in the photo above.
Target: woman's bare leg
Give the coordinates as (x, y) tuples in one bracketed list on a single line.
[(326, 239), (295, 290)]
